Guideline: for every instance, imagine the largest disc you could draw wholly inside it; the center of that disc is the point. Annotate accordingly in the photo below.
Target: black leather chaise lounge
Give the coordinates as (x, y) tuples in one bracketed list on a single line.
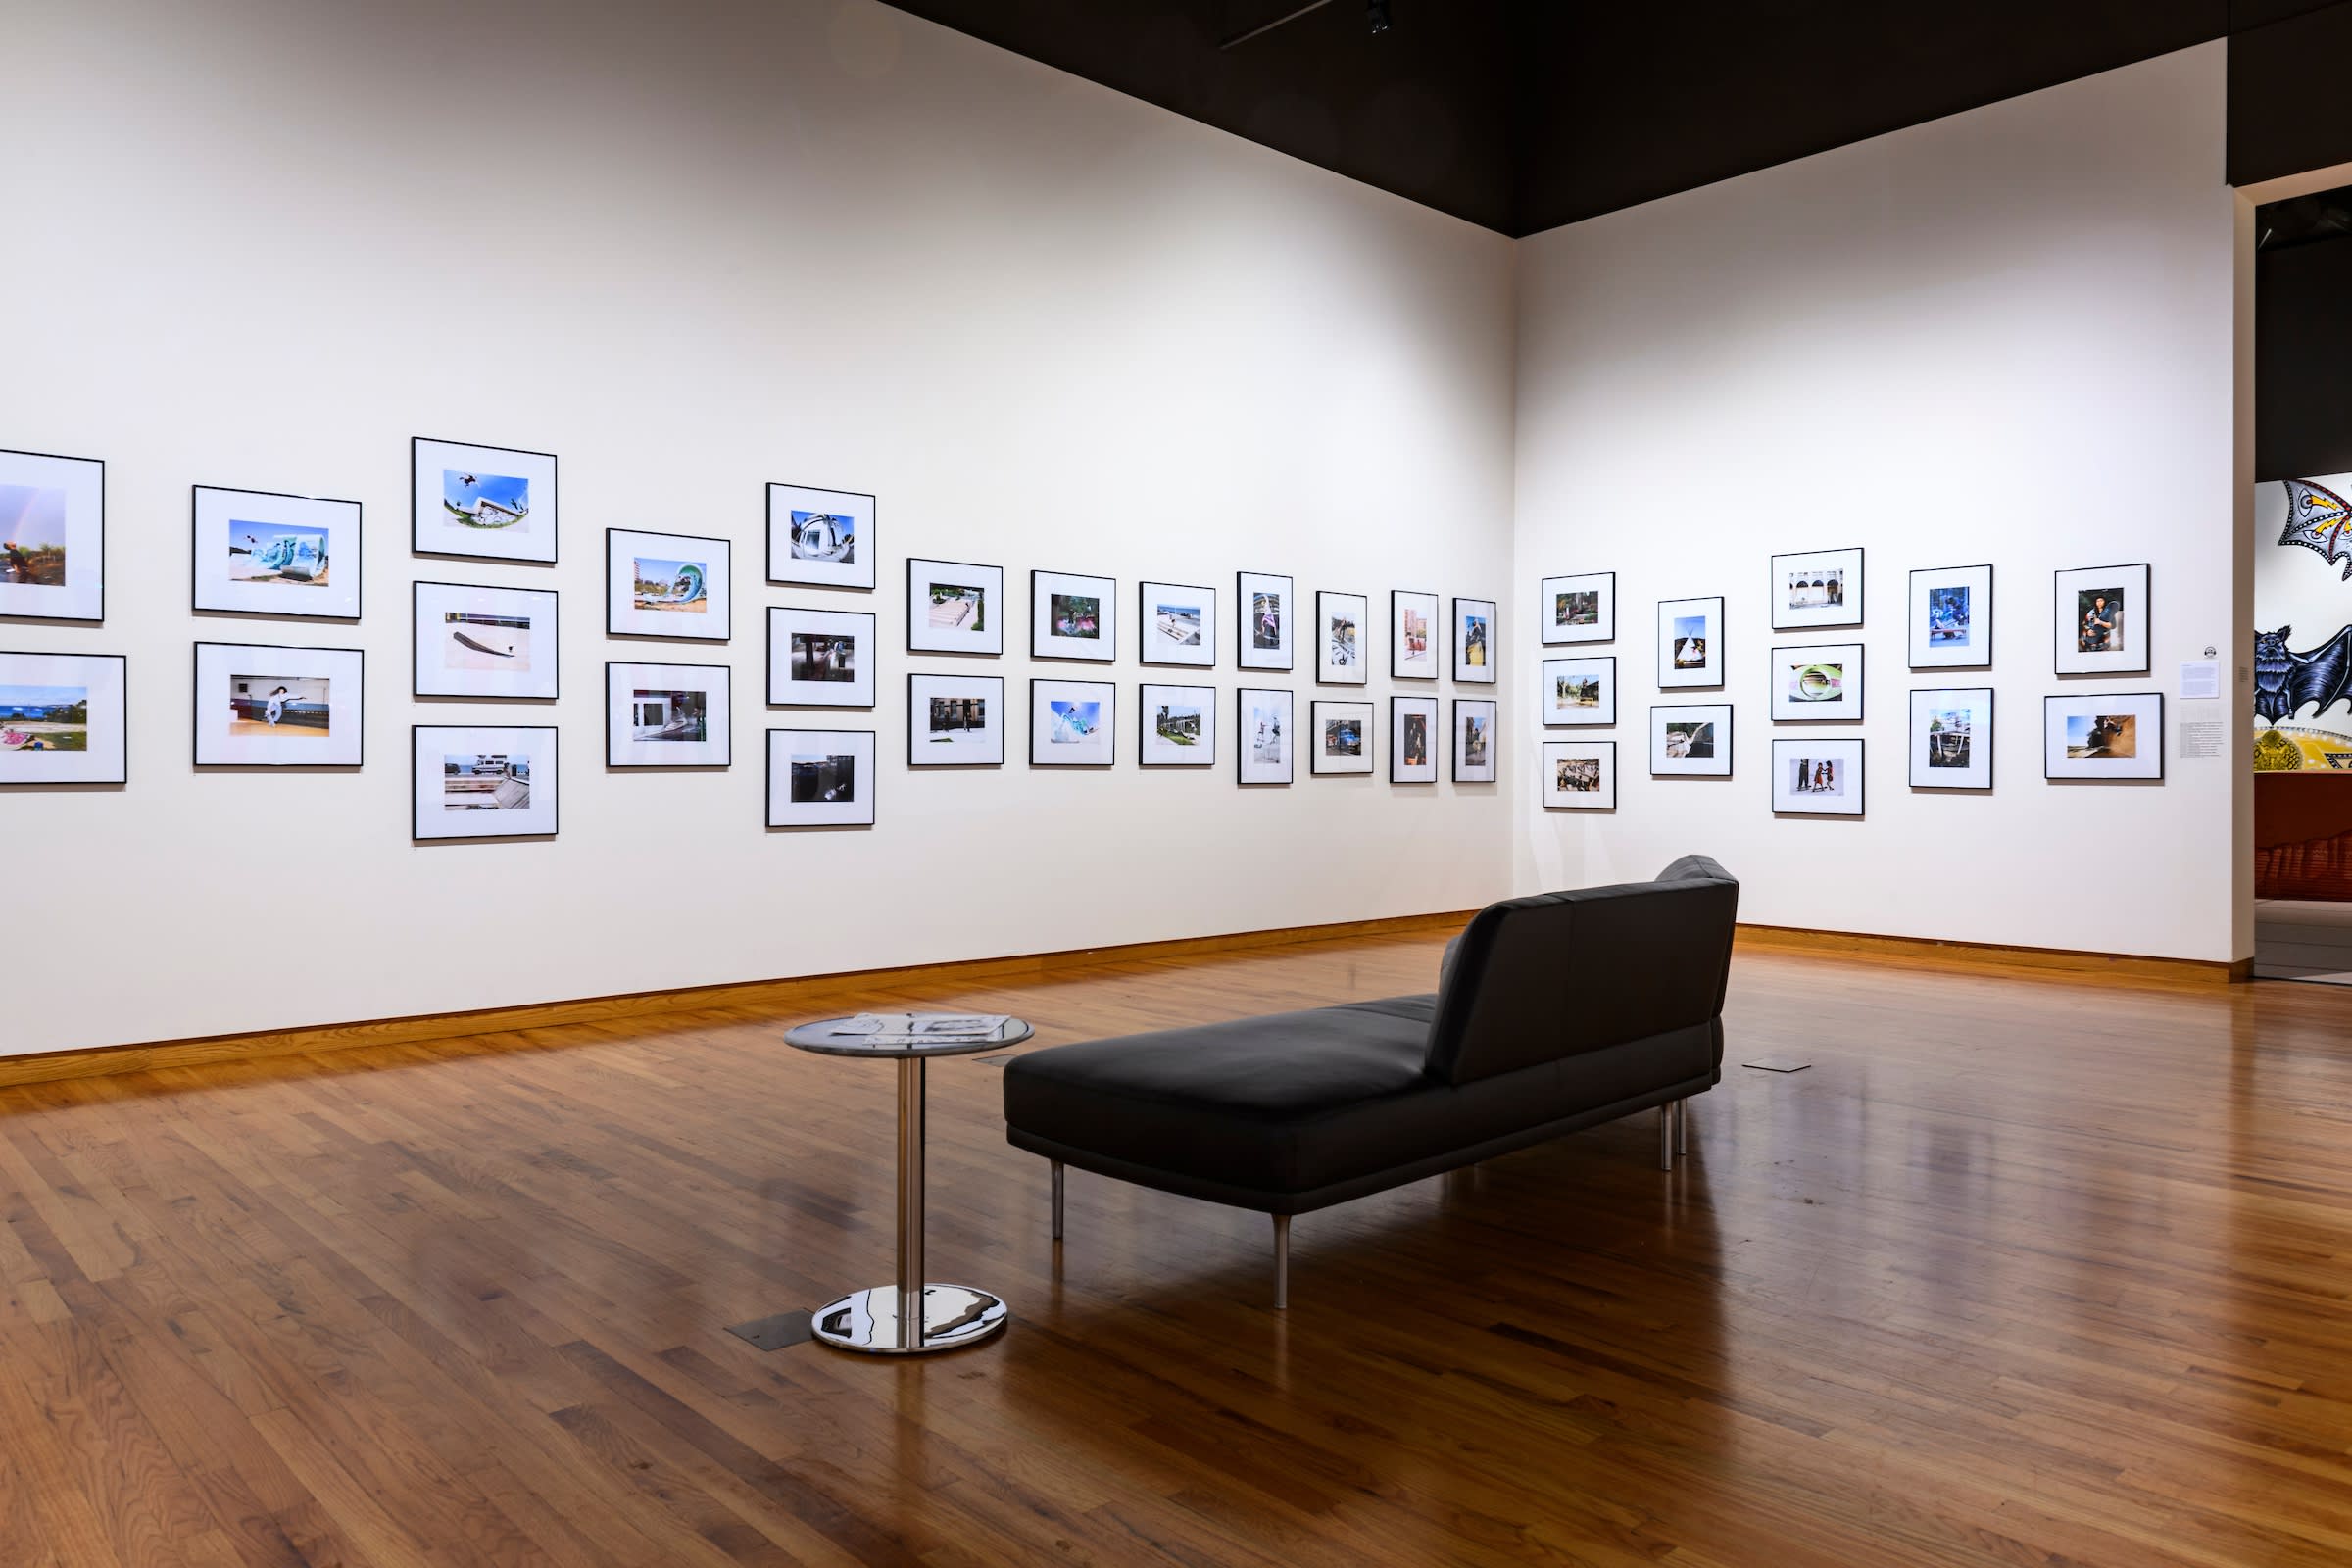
[(1552, 1013)]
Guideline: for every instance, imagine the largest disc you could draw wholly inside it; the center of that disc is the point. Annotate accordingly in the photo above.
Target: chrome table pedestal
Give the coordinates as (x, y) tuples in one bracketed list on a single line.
[(914, 1316)]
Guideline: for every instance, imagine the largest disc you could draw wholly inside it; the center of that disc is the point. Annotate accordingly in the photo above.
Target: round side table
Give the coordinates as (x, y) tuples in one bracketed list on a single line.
[(914, 1316)]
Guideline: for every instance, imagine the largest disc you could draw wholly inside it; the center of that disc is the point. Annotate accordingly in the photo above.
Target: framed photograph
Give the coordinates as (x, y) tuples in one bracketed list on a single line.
[(484, 642), (1071, 617), (1340, 737), (1412, 740), (483, 781), (1340, 659), (1817, 683), (258, 553), (262, 705), (1951, 739), (820, 778), (1266, 610), (1580, 775), (2103, 735), (52, 537), (955, 721), (822, 538), (2103, 620), (1412, 635), (668, 715), (1817, 777), (1178, 726), (1072, 722), (62, 718), (1580, 691), (1691, 642), (668, 585), (1952, 618), (1179, 624), (1264, 714), (1474, 742), (1475, 641), (954, 607), (1581, 608), (820, 657), (1690, 740), (1817, 588), (495, 503)]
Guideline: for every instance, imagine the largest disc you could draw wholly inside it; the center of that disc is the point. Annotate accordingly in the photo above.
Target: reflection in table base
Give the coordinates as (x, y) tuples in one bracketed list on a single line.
[(954, 1315)]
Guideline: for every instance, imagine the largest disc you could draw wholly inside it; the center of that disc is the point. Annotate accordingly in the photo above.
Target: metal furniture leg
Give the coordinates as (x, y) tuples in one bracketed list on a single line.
[(1057, 1199), (1666, 1136), (1281, 1262)]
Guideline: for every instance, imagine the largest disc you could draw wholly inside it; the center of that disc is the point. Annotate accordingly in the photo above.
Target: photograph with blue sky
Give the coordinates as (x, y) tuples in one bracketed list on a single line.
[(467, 491)]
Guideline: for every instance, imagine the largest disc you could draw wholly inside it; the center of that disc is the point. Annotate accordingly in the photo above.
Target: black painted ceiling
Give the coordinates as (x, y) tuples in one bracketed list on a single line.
[(1522, 114)]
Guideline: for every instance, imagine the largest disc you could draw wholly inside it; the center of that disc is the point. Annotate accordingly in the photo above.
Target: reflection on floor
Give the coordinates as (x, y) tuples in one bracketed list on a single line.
[(2297, 939), (2021, 1271)]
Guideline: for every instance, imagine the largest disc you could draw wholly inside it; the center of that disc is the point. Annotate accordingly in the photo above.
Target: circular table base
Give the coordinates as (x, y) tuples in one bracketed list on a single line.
[(954, 1315)]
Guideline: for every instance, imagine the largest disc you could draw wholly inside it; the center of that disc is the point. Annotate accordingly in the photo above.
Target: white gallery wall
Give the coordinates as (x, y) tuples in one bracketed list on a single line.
[(2006, 336), (692, 249)]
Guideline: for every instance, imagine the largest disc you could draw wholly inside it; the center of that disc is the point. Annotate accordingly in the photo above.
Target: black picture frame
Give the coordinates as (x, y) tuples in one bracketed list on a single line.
[(1911, 778), (196, 605), (1911, 648), (1543, 677), (415, 804), (1780, 713), (119, 779), (1778, 600), (1493, 647), (1290, 755), (1454, 740), (1143, 713), (1551, 796), (416, 691), (196, 710), (1717, 652), (1430, 738), (2147, 636), (1369, 732), (1772, 777), (1545, 625), (1110, 745), (1363, 638), (1436, 608), (1142, 625), (1242, 649), (727, 760), (767, 790), (873, 526), (913, 677), (869, 640), (726, 546), (415, 496), (2049, 777), (105, 570), (1731, 757), (998, 631), (1040, 629)]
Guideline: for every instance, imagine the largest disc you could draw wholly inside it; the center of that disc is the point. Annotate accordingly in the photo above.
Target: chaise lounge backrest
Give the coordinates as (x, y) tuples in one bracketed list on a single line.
[(1555, 974)]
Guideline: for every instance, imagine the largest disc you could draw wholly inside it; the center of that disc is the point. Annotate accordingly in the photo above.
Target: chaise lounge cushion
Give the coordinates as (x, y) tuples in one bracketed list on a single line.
[(1294, 1110)]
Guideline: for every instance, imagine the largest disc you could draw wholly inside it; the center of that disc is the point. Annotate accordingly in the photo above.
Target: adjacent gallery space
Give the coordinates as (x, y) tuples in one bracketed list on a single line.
[(1374, 782)]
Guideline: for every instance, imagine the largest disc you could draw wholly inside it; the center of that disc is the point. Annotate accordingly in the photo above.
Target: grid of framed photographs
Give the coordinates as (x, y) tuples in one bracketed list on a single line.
[(258, 553), (820, 778)]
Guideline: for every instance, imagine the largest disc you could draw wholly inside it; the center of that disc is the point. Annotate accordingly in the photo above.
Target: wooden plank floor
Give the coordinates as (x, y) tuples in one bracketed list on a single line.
[(2021, 1271)]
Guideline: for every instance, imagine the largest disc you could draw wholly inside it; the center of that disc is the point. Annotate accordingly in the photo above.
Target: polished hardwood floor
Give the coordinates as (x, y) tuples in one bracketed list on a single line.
[(2023, 1270)]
